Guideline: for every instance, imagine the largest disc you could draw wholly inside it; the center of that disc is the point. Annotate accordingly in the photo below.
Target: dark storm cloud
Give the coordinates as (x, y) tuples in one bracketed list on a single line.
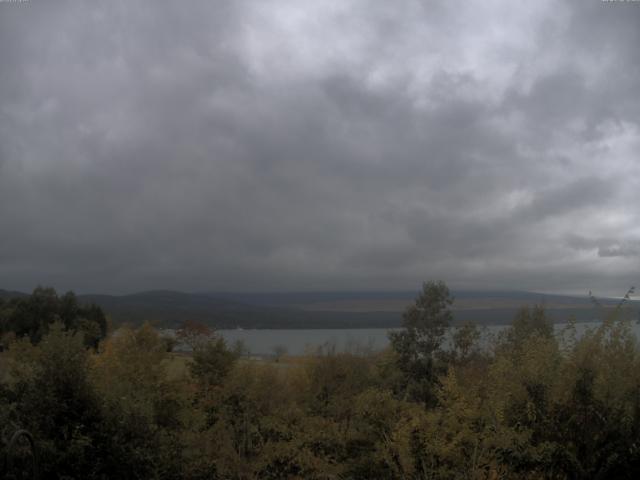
[(274, 145)]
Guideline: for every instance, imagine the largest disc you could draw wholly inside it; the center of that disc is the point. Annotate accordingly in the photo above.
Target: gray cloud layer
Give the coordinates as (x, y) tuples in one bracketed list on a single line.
[(319, 145)]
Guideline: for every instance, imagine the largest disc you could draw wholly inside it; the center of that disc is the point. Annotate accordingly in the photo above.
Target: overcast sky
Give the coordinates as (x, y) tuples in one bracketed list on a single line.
[(319, 145)]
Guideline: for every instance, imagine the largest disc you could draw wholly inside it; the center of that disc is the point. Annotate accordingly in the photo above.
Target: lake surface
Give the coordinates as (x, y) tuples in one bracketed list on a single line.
[(298, 342)]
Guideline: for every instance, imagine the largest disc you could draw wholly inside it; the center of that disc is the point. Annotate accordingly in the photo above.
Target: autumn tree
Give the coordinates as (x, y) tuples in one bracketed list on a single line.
[(212, 361), (194, 333), (142, 405)]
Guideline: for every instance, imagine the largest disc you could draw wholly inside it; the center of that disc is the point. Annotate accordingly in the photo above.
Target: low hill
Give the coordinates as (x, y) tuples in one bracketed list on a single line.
[(168, 308), (6, 294)]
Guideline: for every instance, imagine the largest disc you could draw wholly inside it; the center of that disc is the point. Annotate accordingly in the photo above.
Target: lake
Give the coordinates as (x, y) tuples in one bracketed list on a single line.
[(298, 342)]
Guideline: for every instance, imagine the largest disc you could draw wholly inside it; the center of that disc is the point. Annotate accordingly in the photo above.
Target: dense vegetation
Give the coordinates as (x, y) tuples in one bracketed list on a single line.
[(32, 316), (532, 405)]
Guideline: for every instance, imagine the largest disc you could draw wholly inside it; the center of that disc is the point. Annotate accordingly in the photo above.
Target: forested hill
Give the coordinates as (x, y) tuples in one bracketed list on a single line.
[(364, 309), (11, 294)]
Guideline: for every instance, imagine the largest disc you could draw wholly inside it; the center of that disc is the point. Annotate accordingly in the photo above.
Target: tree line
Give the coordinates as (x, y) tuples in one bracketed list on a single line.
[(32, 316), (439, 403)]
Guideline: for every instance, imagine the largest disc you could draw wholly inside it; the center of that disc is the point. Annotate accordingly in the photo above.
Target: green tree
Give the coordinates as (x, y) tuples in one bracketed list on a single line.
[(52, 396), (465, 342), (530, 321), (32, 316), (418, 345)]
